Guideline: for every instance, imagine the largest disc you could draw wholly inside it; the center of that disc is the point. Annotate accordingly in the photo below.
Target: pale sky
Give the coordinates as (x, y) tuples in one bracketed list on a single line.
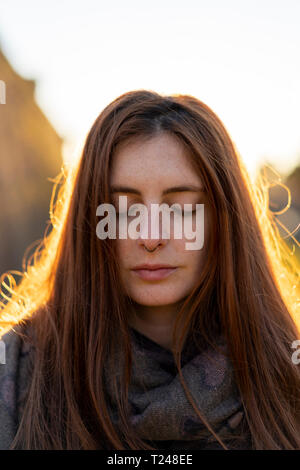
[(241, 57)]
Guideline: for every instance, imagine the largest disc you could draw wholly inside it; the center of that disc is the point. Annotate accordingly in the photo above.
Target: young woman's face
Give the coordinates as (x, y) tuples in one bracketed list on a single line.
[(146, 170)]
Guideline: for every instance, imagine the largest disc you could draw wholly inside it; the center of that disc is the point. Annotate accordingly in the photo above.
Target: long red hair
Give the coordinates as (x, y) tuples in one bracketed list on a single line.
[(73, 297)]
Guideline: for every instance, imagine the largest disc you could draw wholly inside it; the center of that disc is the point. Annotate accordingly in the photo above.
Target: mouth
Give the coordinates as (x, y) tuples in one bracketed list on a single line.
[(153, 272)]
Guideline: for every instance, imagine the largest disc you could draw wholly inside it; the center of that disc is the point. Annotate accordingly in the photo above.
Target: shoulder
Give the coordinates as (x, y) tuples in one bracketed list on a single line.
[(14, 361)]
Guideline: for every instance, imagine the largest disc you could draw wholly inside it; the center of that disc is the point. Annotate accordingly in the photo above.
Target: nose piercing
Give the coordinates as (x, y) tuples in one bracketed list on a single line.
[(149, 251)]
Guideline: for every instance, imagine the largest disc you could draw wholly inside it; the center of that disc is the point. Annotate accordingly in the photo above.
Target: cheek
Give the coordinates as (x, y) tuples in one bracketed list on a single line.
[(124, 249), (192, 260), (196, 235)]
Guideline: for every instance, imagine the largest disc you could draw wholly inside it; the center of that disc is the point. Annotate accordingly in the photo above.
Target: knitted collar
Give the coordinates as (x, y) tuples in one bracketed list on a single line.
[(160, 408)]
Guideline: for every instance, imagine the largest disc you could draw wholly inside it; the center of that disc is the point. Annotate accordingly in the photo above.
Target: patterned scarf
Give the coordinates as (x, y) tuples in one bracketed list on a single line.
[(161, 413)]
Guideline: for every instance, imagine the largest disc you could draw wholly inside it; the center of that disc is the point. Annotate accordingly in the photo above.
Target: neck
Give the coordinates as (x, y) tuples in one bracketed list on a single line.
[(157, 323)]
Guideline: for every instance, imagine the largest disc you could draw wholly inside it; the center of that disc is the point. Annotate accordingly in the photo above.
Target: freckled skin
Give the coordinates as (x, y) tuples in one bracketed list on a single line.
[(150, 167)]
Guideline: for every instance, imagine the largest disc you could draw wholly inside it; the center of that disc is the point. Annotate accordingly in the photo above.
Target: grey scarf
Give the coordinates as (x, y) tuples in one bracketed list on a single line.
[(161, 412)]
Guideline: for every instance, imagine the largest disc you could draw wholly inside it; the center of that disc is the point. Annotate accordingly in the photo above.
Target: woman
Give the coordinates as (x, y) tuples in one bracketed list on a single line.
[(139, 342)]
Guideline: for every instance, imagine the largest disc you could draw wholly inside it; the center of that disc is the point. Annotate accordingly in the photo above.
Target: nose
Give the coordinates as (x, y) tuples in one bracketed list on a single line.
[(151, 234), (150, 244)]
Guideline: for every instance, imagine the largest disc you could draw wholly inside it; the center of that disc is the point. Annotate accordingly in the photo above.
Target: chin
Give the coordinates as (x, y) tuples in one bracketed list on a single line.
[(155, 299)]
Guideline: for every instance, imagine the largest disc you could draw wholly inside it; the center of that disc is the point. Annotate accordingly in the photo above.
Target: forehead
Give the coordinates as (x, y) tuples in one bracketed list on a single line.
[(158, 160)]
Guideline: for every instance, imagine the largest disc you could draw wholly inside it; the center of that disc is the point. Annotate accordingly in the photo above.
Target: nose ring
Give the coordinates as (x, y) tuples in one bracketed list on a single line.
[(149, 251)]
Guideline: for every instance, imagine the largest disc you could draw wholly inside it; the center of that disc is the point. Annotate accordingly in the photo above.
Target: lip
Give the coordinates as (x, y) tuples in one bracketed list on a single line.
[(154, 266), (153, 272)]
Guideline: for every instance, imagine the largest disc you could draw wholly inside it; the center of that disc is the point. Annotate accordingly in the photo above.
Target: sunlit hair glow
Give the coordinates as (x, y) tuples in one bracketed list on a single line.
[(70, 290)]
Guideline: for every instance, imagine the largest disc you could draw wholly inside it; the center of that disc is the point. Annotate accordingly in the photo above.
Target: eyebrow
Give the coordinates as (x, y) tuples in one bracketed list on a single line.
[(174, 189)]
